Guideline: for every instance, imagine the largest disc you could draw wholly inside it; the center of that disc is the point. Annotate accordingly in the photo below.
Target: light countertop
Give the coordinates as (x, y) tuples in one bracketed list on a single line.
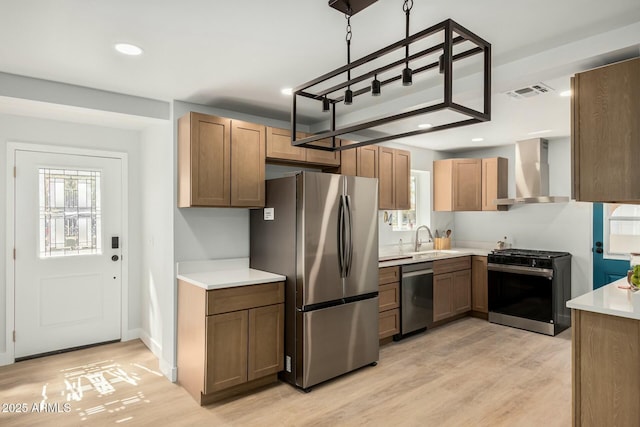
[(610, 299), (390, 259), (224, 273)]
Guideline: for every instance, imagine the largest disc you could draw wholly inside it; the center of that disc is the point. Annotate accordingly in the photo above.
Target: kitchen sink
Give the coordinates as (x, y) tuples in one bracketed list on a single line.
[(433, 253), (426, 255)]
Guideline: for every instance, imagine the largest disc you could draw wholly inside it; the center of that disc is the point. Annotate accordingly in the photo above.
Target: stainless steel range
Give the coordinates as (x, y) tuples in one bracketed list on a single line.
[(529, 289)]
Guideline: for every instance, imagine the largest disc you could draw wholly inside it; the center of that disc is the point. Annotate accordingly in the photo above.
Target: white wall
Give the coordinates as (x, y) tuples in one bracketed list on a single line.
[(551, 226), (50, 132), (157, 276)]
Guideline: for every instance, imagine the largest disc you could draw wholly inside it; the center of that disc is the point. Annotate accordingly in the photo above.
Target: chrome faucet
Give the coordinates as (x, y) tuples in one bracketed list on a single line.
[(418, 242)]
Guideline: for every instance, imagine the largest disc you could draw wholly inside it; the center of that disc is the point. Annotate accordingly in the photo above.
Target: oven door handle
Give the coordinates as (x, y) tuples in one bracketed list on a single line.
[(519, 269)]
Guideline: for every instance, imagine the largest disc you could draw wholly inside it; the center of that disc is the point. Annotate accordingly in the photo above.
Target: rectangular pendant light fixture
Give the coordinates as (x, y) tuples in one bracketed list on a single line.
[(453, 35)]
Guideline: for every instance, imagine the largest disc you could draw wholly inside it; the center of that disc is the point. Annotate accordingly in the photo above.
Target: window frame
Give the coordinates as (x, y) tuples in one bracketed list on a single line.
[(606, 231)]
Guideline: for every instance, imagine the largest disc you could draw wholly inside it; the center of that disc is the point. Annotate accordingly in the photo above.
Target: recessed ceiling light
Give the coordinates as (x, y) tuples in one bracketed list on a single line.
[(477, 139), (538, 132), (565, 93), (128, 49), (287, 91), (424, 125)]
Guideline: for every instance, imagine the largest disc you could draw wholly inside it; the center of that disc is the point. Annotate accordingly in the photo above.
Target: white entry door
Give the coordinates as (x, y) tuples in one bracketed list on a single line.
[(68, 219)]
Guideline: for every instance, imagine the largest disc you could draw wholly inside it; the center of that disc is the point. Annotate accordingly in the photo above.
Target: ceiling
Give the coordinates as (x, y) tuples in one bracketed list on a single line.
[(239, 55)]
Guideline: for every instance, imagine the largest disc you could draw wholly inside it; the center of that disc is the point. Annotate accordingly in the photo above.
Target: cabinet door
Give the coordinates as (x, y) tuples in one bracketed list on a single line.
[(279, 145), (389, 296), (606, 133), (494, 183), (467, 174), (204, 152), (443, 185), (479, 295), (461, 291), (266, 336), (367, 161), (247, 164), (442, 296), (348, 159), (402, 182), (388, 323), (386, 178), (323, 157), (226, 351)]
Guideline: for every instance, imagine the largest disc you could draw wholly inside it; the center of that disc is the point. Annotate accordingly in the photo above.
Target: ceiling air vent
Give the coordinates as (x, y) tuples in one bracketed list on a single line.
[(529, 91)]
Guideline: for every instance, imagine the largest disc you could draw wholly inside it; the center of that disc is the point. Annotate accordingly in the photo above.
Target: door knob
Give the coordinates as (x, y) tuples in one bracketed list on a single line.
[(599, 250), (115, 258), (599, 244)]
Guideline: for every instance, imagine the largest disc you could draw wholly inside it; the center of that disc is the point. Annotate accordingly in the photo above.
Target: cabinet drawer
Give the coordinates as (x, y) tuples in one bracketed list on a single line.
[(388, 275), (244, 297), (389, 296), (389, 323), (452, 264)]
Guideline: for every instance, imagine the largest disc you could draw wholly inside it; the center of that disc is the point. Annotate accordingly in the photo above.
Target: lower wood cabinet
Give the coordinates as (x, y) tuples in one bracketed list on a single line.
[(389, 301), (605, 369), (451, 287), (229, 340), (479, 289)]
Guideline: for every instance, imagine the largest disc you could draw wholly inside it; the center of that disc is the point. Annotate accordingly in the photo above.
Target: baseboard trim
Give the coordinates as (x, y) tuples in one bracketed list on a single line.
[(171, 372), (6, 359), (132, 334)]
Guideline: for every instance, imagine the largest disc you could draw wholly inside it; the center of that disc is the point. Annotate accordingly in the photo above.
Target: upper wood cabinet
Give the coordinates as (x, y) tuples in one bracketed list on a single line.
[(348, 159), (394, 178), (605, 137), (457, 185), (247, 164), (220, 162), (320, 157), (469, 184), (367, 161), (279, 149), (279, 145), (494, 183)]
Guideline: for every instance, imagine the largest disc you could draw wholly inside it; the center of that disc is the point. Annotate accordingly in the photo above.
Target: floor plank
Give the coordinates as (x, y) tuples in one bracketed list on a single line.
[(467, 373)]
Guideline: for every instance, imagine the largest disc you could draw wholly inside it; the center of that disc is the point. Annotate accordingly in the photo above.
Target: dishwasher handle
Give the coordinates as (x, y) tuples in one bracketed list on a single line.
[(417, 273)]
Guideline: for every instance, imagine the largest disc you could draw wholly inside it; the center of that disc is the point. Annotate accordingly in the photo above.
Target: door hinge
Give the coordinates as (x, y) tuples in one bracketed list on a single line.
[(14, 254), (14, 171), (14, 336)]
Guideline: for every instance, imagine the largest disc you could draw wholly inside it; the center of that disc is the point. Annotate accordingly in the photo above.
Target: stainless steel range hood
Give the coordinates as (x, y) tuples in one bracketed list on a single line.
[(532, 174)]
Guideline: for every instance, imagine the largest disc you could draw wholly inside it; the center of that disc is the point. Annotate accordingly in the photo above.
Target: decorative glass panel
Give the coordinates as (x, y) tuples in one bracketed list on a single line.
[(70, 215)]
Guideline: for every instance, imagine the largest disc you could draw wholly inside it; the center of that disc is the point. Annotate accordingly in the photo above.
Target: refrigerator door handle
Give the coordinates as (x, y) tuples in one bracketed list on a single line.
[(341, 237), (349, 240)]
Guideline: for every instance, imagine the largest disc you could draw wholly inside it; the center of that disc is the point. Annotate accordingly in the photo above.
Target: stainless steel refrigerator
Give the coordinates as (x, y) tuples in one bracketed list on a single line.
[(321, 231)]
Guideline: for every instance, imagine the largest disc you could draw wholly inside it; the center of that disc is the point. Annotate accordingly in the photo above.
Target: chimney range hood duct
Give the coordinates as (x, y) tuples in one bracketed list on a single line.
[(532, 174)]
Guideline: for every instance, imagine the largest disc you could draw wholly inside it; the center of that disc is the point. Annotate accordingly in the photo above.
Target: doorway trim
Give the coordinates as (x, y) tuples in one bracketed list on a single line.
[(12, 147)]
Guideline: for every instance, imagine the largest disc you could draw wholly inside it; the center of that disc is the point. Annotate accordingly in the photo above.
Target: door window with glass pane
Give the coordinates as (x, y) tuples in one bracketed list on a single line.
[(621, 230), (70, 215)]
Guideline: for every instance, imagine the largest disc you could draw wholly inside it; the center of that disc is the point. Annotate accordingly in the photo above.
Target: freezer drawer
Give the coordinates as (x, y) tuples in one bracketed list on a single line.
[(337, 340)]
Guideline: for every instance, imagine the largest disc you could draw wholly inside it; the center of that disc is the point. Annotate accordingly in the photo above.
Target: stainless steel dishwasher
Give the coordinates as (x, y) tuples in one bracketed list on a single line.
[(416, 311)]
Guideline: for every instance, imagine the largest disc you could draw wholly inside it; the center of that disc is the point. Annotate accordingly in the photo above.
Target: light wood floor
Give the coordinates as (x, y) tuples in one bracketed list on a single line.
[(467, 373)]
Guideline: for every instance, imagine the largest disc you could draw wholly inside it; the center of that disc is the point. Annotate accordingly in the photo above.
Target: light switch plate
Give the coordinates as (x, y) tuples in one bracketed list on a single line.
[(269, 214)]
